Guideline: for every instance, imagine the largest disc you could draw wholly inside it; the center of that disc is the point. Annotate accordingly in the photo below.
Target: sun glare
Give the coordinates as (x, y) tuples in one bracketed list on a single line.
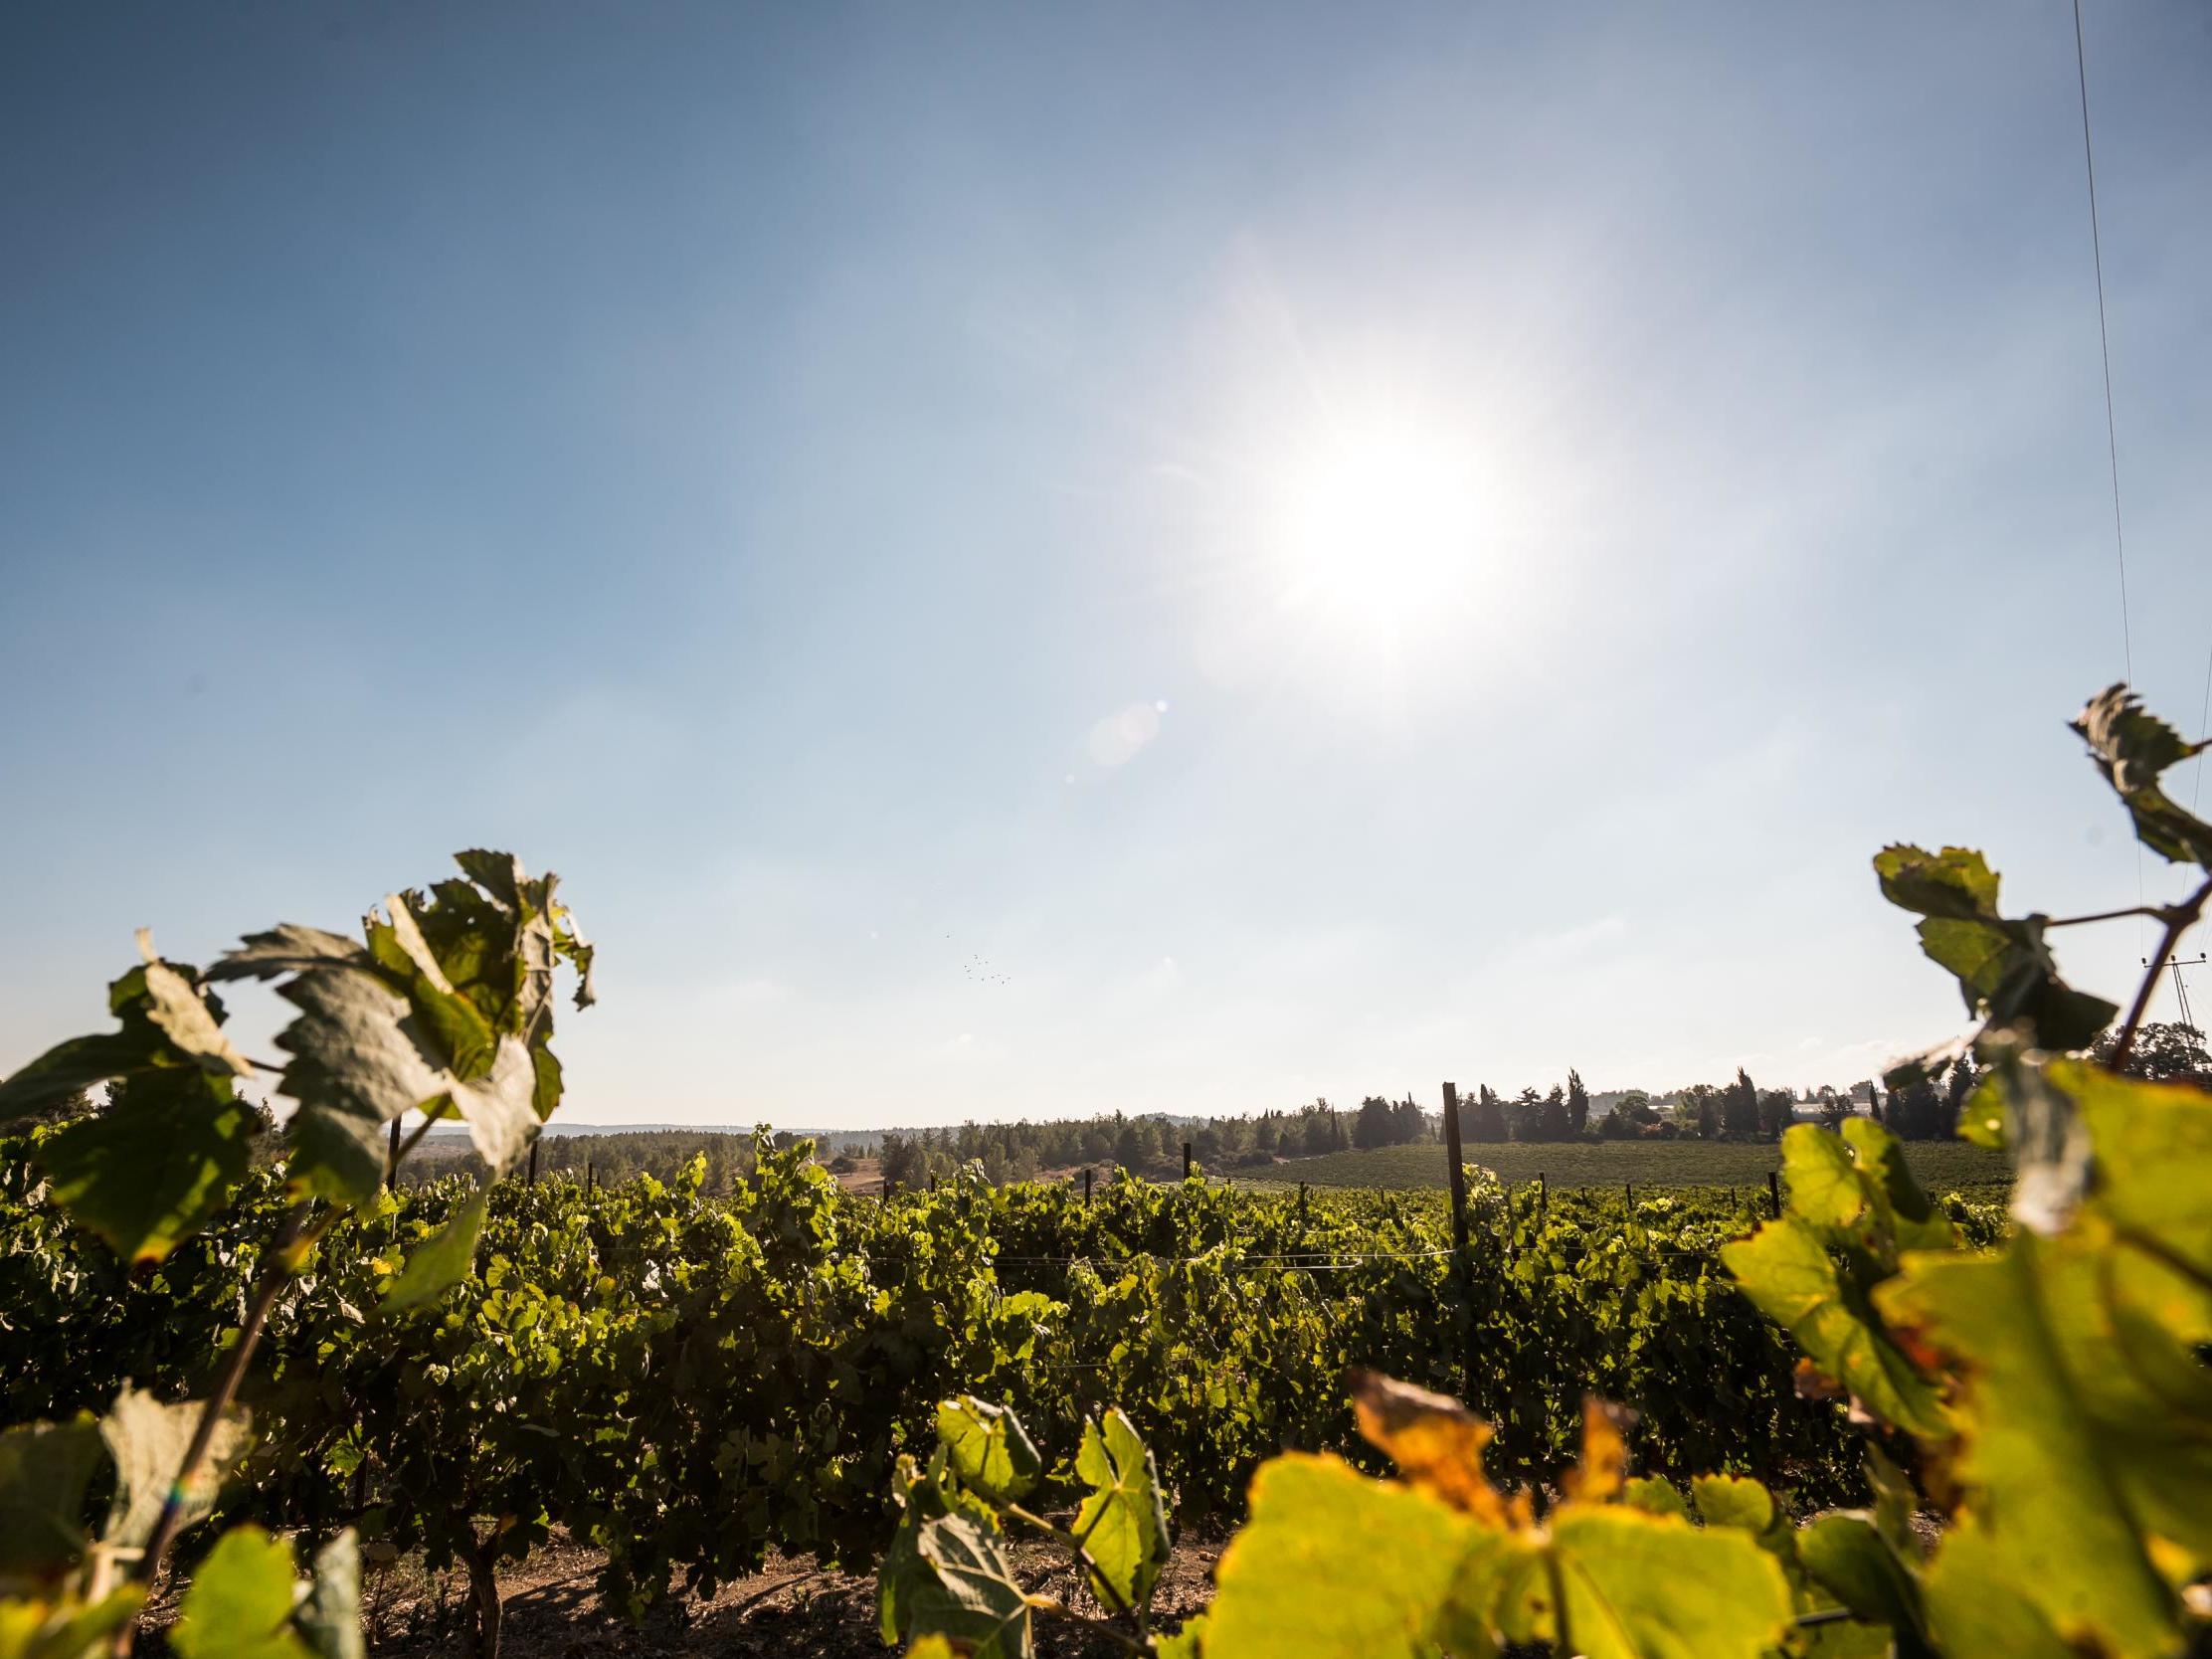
[(1384, 522)]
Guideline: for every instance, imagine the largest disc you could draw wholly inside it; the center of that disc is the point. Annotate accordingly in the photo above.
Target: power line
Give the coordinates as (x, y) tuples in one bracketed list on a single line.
[(2204, 730), (2105, 350), (2105, 345)]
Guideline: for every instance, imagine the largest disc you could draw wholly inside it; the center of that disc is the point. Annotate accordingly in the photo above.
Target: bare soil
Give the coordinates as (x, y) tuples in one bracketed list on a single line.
[(553, 1609)]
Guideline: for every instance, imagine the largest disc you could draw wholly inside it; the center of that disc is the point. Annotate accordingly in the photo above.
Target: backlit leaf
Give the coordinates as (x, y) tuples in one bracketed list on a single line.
[(988, 1448), (1641, 1587), (147, 1440), (240, 1604), (442, 1260), (2131, 749), (1786, 1270), (1334, 1566), (1121, 1522)]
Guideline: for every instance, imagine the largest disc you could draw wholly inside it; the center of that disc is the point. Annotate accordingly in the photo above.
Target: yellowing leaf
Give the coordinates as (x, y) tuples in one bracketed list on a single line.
[(2057, 1486), (1599, 1478), (1435, 1441)]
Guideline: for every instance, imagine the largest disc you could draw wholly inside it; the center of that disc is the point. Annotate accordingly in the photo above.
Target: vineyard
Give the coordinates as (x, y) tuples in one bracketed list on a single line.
[(692, 1381), (1534, 1415), (1745, 1165)]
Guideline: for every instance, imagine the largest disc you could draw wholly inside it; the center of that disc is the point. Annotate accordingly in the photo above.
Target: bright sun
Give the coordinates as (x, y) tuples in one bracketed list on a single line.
[(1381, 523)]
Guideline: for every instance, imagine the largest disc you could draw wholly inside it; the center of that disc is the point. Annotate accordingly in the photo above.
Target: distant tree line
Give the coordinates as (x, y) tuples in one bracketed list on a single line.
[(1151, 1144)]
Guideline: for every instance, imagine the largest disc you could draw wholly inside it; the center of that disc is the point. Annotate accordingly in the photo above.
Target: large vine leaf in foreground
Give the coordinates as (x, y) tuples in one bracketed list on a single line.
[(1332, 1564), (2084, 1460), (239, 1604), (146, 1173), (445, 1010), (175, 1139)]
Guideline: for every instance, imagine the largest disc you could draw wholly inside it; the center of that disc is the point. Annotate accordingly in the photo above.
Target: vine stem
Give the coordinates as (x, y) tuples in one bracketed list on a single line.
[(1098, 1626), (2154, 912), (1078, 1544), (2179, 919), (167, 1525)]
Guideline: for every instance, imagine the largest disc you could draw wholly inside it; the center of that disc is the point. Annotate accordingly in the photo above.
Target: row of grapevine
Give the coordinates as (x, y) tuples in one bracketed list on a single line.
[(692, 1381)]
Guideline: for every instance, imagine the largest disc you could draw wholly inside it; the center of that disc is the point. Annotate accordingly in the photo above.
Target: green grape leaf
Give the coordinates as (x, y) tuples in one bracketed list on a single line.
[(357, 1063), (442, 1260), (1188, 1641), (2132, 748), (464, 1039), (1655, 1497), (1734, 1501), (360, 1059), (1786, 1270), (70, 1067), (1122, 1522), (148, 1441), (2153, 1143), (177, 1007), (44, 1470), (2065, 1457), (1905, 1218), (2003, 965), (949, 1575), (1334, 1566), (67, 1628), (1845, 1553), (931, 1646), (1981, 1120), (240, 1604), (1640, 1586), (1974, 1607), (1956, 883), (330, 1620), (988, 1448), (149, 1172)]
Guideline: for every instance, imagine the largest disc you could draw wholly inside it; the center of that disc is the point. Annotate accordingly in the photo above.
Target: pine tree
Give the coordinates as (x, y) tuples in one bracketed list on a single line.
[(1963, 1077), (1408, 1123), (1739, 1106), (1577, 1102), (1488, 1122), (1376, 1125)]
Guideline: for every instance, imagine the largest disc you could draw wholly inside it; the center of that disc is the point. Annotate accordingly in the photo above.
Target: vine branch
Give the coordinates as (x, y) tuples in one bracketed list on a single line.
[(1076, 1544), (2179, 918)]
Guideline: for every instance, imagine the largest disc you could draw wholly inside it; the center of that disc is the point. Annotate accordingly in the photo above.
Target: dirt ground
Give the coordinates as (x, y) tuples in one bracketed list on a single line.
[(553, 1609)]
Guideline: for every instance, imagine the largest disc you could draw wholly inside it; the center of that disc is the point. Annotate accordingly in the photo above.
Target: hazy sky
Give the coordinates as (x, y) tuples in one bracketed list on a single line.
[(1027, 560)]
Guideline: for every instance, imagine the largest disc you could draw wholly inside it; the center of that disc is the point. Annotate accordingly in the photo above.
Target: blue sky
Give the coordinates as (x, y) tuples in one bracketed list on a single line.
[(891, 504)]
